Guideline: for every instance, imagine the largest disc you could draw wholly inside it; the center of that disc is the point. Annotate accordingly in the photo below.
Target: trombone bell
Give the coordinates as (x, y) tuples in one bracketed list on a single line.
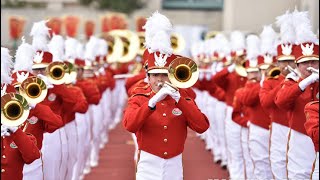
[(56, 71), (14, 109), (33, 89), (183, 72)]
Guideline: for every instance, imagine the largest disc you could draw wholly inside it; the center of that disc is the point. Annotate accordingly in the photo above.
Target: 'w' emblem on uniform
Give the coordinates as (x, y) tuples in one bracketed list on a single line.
[(161, 60)]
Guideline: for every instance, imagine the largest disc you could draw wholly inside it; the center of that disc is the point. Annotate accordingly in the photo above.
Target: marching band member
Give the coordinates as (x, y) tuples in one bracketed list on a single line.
[(158, 110), (41, 118), (275, 75), (259, 120), (17, 147), (296, 91)]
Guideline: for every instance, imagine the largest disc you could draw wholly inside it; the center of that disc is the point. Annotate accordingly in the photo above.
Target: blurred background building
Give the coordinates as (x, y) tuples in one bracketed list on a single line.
[(191, 18)]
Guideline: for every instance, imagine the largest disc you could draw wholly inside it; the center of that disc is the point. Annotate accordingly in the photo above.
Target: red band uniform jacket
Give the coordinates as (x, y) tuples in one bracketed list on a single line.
[(291, 99), (163, 131), (16, 150), (312, 123), (268, 94)]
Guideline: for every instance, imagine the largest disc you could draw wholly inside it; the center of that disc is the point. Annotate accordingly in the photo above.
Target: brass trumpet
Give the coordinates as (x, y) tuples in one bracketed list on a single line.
[(273, 71), (240, 68), (142, 40), (33, 89), (14, 109), (183, 72), (56, 71)]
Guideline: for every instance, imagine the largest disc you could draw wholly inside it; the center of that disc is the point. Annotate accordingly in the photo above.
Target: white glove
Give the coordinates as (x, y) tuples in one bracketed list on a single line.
[(8, 130), (208, 76), (46, 80), (292, 76), (32, 106), (248, 123), (231, 68), (158, 97), (173, 92), (102, 71), (309, 80), (219, 66)]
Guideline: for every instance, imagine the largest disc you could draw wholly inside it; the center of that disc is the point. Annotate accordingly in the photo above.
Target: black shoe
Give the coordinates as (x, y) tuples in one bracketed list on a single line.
[(218, 162), (224, 167)]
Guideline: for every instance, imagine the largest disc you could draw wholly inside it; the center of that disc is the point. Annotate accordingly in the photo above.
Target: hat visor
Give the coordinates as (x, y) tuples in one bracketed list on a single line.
[(153, 71), (39, 66), (285, 58), (310, 58), (252, 69)]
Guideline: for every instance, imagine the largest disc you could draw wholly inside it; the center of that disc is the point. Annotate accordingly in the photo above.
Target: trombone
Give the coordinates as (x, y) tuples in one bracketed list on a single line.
[(56, 72), (33, 89), (14, 109)]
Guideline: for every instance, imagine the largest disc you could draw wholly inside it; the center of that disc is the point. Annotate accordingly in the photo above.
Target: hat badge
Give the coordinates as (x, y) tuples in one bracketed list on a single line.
[(267, 58), (21, 77), (307, 50), (286, 49), (160, 60), (38, 57)]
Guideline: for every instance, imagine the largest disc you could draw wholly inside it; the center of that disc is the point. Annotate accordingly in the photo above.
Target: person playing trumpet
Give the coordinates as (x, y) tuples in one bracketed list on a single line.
[(295, 93), (160, 114)]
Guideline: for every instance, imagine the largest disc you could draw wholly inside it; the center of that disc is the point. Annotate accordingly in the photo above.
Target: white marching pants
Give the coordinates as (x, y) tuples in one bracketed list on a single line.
[(248, 164), (72, 137), (301, 155), (51, 155), (235, 154), (278, 150), (33, 171), (259, 151), (82, 129), (64, 153), (151, 167), (315, 173), (97, 128), (221, 110)]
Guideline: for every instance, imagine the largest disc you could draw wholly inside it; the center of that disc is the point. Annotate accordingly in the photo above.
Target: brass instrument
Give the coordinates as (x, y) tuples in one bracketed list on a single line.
[(33, 89), (183, 72), (273, 71), (14, 109), (115, 48), (240, 68), (177, 43), (130, 42), (71, 74), (142, 40), (211, 34), (56, 71)]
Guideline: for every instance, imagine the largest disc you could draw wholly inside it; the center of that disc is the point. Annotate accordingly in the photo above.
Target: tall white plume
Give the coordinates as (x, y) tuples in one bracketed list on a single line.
[(6, 66), (237, 41), (269, 41), (156, 22), (40, 34), (103, 47), (253, 47), (287, 31), (161, 42), (24, 57), (91, 48), (303, 28), (56, 48), (70, 48)]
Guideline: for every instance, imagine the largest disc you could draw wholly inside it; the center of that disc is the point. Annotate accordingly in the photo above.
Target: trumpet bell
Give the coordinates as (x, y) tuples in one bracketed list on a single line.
[(56, 71), (14, 109), (273, 71), (183, 72), (177, 43), (33, 89), (241, 70)]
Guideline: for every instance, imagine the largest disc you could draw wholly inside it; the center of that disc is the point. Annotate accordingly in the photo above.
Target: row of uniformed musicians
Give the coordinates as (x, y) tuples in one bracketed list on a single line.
[(69, 119), (268, 87)]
